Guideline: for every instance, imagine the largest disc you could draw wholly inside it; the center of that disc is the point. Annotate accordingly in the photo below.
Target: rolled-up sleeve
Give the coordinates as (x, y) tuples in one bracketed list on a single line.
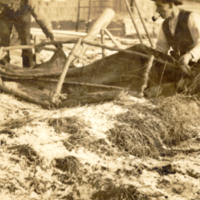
[(194, 27), (40, 17)]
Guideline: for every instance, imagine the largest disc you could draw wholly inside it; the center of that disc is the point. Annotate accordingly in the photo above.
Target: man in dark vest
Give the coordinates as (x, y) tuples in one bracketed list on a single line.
[(18, 13), (180, 31)]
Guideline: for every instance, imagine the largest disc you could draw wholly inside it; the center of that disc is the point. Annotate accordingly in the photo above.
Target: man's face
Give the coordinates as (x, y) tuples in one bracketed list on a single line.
[(164, 9)]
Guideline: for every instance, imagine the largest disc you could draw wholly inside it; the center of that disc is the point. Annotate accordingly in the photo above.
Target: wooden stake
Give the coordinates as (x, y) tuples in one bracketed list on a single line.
[(146, 75), (71, 57), (103, 42)]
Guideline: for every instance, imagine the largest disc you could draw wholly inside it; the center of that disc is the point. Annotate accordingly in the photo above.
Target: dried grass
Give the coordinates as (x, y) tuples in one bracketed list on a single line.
[(144, 131), (84, 139), (101, 146), (27, 152), (15, 123), (77, 139), (137, 132), (68, 164), (182, 114), (65, 124), (112, 192)]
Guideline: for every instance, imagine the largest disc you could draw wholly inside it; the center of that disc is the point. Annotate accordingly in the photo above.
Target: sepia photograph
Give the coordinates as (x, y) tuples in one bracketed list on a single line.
[(99, 99)]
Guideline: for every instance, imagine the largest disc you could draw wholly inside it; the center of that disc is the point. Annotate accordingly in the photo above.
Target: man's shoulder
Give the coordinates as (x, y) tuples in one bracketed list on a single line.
[(188, 16), (194, 17), (185, 13), (194, 14), (190, 13)]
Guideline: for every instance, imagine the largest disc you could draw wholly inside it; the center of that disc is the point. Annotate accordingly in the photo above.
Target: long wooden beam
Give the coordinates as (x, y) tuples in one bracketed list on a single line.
[(133, 20), (128, 52), (84, 84), (70, 41), (144, 25)]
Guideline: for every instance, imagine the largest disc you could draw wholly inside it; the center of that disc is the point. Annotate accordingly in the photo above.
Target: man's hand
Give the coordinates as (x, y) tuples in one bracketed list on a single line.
[(184, 62), (51, 37)]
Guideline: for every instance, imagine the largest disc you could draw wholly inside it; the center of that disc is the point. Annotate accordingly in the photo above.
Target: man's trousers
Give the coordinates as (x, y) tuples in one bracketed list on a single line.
[(22, 24)]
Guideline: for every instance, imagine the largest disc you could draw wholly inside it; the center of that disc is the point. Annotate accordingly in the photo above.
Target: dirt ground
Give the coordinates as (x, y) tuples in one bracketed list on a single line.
[(68, 154)]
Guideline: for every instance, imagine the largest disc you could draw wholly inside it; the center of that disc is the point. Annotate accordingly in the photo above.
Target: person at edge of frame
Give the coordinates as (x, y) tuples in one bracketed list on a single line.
[(18, 13), (180, 32)]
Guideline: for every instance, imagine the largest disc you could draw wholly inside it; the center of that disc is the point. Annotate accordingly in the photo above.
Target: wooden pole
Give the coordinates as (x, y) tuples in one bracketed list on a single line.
[(113, 39), (103, 42), (78, 15), (36, 41), (145, 28), (71, 57), (89, 15), (129, 52), (84, 84), (132, 18), (146, 75), (17, 47), (70, 41), (101, 23)]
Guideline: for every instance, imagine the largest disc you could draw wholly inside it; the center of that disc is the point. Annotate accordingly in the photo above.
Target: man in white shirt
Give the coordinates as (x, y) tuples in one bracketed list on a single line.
[(180, 31)]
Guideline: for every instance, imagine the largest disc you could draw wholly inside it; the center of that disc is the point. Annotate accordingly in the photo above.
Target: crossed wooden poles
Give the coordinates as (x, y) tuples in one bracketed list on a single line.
[(81, 46), (100, 26)]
